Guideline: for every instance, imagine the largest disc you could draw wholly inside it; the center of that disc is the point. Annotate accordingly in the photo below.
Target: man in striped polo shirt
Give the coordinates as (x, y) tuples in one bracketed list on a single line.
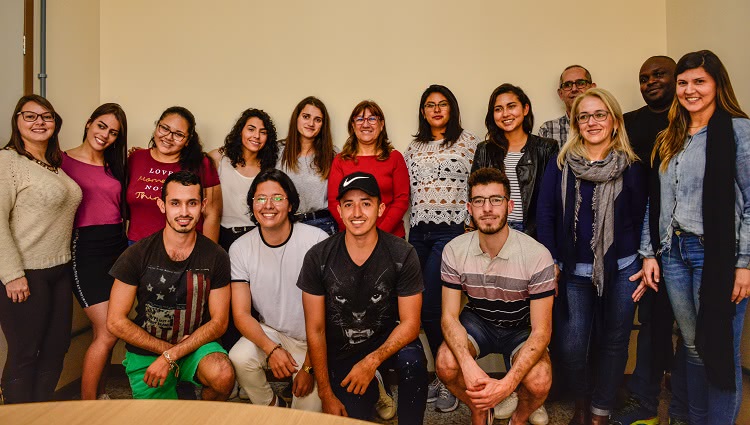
[(509, 279)]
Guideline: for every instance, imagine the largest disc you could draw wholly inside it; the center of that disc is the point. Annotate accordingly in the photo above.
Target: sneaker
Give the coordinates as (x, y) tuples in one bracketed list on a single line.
[(103, 396), (633, 413), (432, 390), (446, 402), (505, 408), (539, 416), (385, 406)]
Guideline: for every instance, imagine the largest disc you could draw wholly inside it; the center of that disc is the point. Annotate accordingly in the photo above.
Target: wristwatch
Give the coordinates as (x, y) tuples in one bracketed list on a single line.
[(308, 369)]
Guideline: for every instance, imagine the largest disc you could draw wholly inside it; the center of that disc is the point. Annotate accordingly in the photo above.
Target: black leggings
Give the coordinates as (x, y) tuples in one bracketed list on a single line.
[(38, 335)]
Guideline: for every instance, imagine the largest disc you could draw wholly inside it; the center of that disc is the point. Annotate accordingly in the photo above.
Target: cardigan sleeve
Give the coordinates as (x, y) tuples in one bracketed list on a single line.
[(546, 211), (394, 213), (11, 266), (334, 179)]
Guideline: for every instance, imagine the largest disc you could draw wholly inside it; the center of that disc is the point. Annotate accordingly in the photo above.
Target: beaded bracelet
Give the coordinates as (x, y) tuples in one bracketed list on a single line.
[(271, 353)]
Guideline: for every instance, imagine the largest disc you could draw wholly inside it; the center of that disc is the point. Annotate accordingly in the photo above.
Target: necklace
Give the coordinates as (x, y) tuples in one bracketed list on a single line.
[(42, 163)]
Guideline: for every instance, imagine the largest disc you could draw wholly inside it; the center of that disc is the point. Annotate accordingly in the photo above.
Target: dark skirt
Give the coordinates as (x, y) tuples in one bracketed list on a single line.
[(95, 249)]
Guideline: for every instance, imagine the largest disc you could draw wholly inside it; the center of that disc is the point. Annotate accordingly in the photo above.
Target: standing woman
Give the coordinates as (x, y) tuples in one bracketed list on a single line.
[(98, 166), (174, 146), (511, 148), (368, 149), (249, 148), (591, 206), (439, 160), (701, 208), (306, 159), (38, 203)]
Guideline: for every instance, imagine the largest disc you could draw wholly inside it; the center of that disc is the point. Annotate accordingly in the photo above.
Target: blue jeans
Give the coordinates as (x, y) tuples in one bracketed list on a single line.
[(598, 335), (326, 224), (488, 338), (429, 239), (683, 271), (411, 365)]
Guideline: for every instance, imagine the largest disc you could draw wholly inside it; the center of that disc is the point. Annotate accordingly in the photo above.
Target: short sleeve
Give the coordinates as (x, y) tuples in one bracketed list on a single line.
[(237, 258), (450, 276), (311, 276), (209, 175), (129, 267), (221, 271), (410, 278), (542, 281)]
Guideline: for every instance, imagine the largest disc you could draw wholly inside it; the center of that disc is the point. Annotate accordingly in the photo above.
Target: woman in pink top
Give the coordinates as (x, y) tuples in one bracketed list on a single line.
[(175, 146), (98, 166), (368, 149)]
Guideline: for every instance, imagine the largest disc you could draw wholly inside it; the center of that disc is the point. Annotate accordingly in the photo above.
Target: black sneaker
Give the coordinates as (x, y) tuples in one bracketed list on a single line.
[(633, 413)]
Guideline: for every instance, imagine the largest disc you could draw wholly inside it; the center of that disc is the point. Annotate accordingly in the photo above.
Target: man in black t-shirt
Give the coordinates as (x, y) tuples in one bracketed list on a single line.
[(362, 296), (180, 279)]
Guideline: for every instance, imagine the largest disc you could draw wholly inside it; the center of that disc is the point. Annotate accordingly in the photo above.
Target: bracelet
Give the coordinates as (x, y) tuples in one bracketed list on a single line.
[(271, 353), (172, 364)]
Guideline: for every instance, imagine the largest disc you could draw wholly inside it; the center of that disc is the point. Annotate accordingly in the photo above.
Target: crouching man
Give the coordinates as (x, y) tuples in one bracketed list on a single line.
[(181, 281), (362, 296), (509, 280)]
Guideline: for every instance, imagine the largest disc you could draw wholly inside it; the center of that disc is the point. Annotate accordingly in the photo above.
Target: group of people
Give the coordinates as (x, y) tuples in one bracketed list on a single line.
[(289, 257)]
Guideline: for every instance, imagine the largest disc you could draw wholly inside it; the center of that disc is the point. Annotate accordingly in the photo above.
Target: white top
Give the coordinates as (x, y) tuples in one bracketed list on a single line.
[(234, 188), (313, 189), (272, 273), (511, 162), (438, 177)]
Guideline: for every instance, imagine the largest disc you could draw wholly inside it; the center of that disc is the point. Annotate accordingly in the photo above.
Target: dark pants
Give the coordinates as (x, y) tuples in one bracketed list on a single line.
[(411, 365), (38, 335), (429, 239)]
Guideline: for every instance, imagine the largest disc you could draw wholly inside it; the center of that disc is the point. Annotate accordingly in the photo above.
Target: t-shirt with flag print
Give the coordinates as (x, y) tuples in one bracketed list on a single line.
[(172, 295)]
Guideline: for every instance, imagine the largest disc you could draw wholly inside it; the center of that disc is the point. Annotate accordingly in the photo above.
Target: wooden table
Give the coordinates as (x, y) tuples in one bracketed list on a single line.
[(160, 412)]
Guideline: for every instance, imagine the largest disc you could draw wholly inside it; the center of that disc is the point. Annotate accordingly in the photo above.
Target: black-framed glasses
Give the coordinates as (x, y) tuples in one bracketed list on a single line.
[(372, 119), (442, 105), (599, 116), (30, 116), (276, 199), (580, 84), (165, 131), (495, 200)]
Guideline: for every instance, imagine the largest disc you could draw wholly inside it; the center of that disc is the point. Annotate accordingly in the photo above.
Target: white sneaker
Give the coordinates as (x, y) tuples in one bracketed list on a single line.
[(385, 406), (539, 416), (505, 408), (242, 394), (103, 396)]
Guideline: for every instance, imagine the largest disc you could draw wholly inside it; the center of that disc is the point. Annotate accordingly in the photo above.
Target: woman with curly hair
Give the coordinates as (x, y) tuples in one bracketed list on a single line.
[(368, 149), (306, 158), (174, 146), (249, 148)]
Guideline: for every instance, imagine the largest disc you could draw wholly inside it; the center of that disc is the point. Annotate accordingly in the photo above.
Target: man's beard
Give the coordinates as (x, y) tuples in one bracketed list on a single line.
[(180, 229), (488, 229)]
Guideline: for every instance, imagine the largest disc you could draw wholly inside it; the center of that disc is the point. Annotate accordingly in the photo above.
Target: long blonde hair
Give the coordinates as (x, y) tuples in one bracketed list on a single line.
[(619, 140), (671, 140)]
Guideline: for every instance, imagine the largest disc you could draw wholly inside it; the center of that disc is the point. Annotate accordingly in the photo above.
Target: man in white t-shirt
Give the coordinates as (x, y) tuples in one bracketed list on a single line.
[(265, 266)]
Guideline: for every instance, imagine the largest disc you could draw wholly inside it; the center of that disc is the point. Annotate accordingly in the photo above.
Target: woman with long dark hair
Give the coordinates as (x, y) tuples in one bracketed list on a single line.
[(439, 160), (174, 146), (591, 206), (512, 148), (98, 165), (699, 221), (306, 158), (38, 203), (249, 148)]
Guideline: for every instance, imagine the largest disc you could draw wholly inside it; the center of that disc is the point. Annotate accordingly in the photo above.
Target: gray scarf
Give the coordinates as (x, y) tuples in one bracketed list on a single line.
[(607, 175)]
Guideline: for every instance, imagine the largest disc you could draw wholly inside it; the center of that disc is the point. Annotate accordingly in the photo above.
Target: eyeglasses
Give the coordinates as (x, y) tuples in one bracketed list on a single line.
[(276, 199), (495, 200), (442, 105), (581, 84), (599, 116), (29, 116), (372, 119), (165, 131)]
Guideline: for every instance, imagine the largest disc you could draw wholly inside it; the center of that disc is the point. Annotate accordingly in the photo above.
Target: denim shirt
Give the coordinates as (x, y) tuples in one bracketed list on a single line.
[(682, 193)]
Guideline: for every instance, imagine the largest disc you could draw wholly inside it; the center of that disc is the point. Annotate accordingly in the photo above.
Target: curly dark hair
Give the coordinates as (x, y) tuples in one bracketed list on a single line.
[(192, 153), (494, 133), (453, 129), (232, 148)]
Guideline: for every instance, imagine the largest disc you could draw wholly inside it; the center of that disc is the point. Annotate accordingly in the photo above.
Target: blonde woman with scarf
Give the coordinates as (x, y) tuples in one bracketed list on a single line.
[(591, 206)]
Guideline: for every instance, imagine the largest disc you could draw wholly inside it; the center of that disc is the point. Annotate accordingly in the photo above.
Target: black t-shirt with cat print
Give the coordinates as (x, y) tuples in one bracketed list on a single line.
[(361, 301)]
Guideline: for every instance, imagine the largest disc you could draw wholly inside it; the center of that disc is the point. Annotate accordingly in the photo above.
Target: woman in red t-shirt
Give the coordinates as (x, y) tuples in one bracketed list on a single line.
[(174, 146), (368, 149)]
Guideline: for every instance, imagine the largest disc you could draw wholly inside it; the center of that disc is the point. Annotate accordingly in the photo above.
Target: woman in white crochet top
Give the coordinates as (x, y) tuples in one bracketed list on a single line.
[(439, 160)]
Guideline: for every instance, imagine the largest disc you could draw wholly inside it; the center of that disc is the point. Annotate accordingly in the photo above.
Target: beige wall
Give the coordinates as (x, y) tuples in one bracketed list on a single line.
[(721, 27), (219, 61)]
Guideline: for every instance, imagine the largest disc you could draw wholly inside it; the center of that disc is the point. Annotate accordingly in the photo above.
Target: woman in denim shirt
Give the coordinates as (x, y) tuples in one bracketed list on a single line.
[(591, 206), (704, 232)]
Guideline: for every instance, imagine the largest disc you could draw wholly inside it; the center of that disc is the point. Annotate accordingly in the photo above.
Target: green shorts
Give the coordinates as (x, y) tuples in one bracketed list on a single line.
[(136, 365)]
